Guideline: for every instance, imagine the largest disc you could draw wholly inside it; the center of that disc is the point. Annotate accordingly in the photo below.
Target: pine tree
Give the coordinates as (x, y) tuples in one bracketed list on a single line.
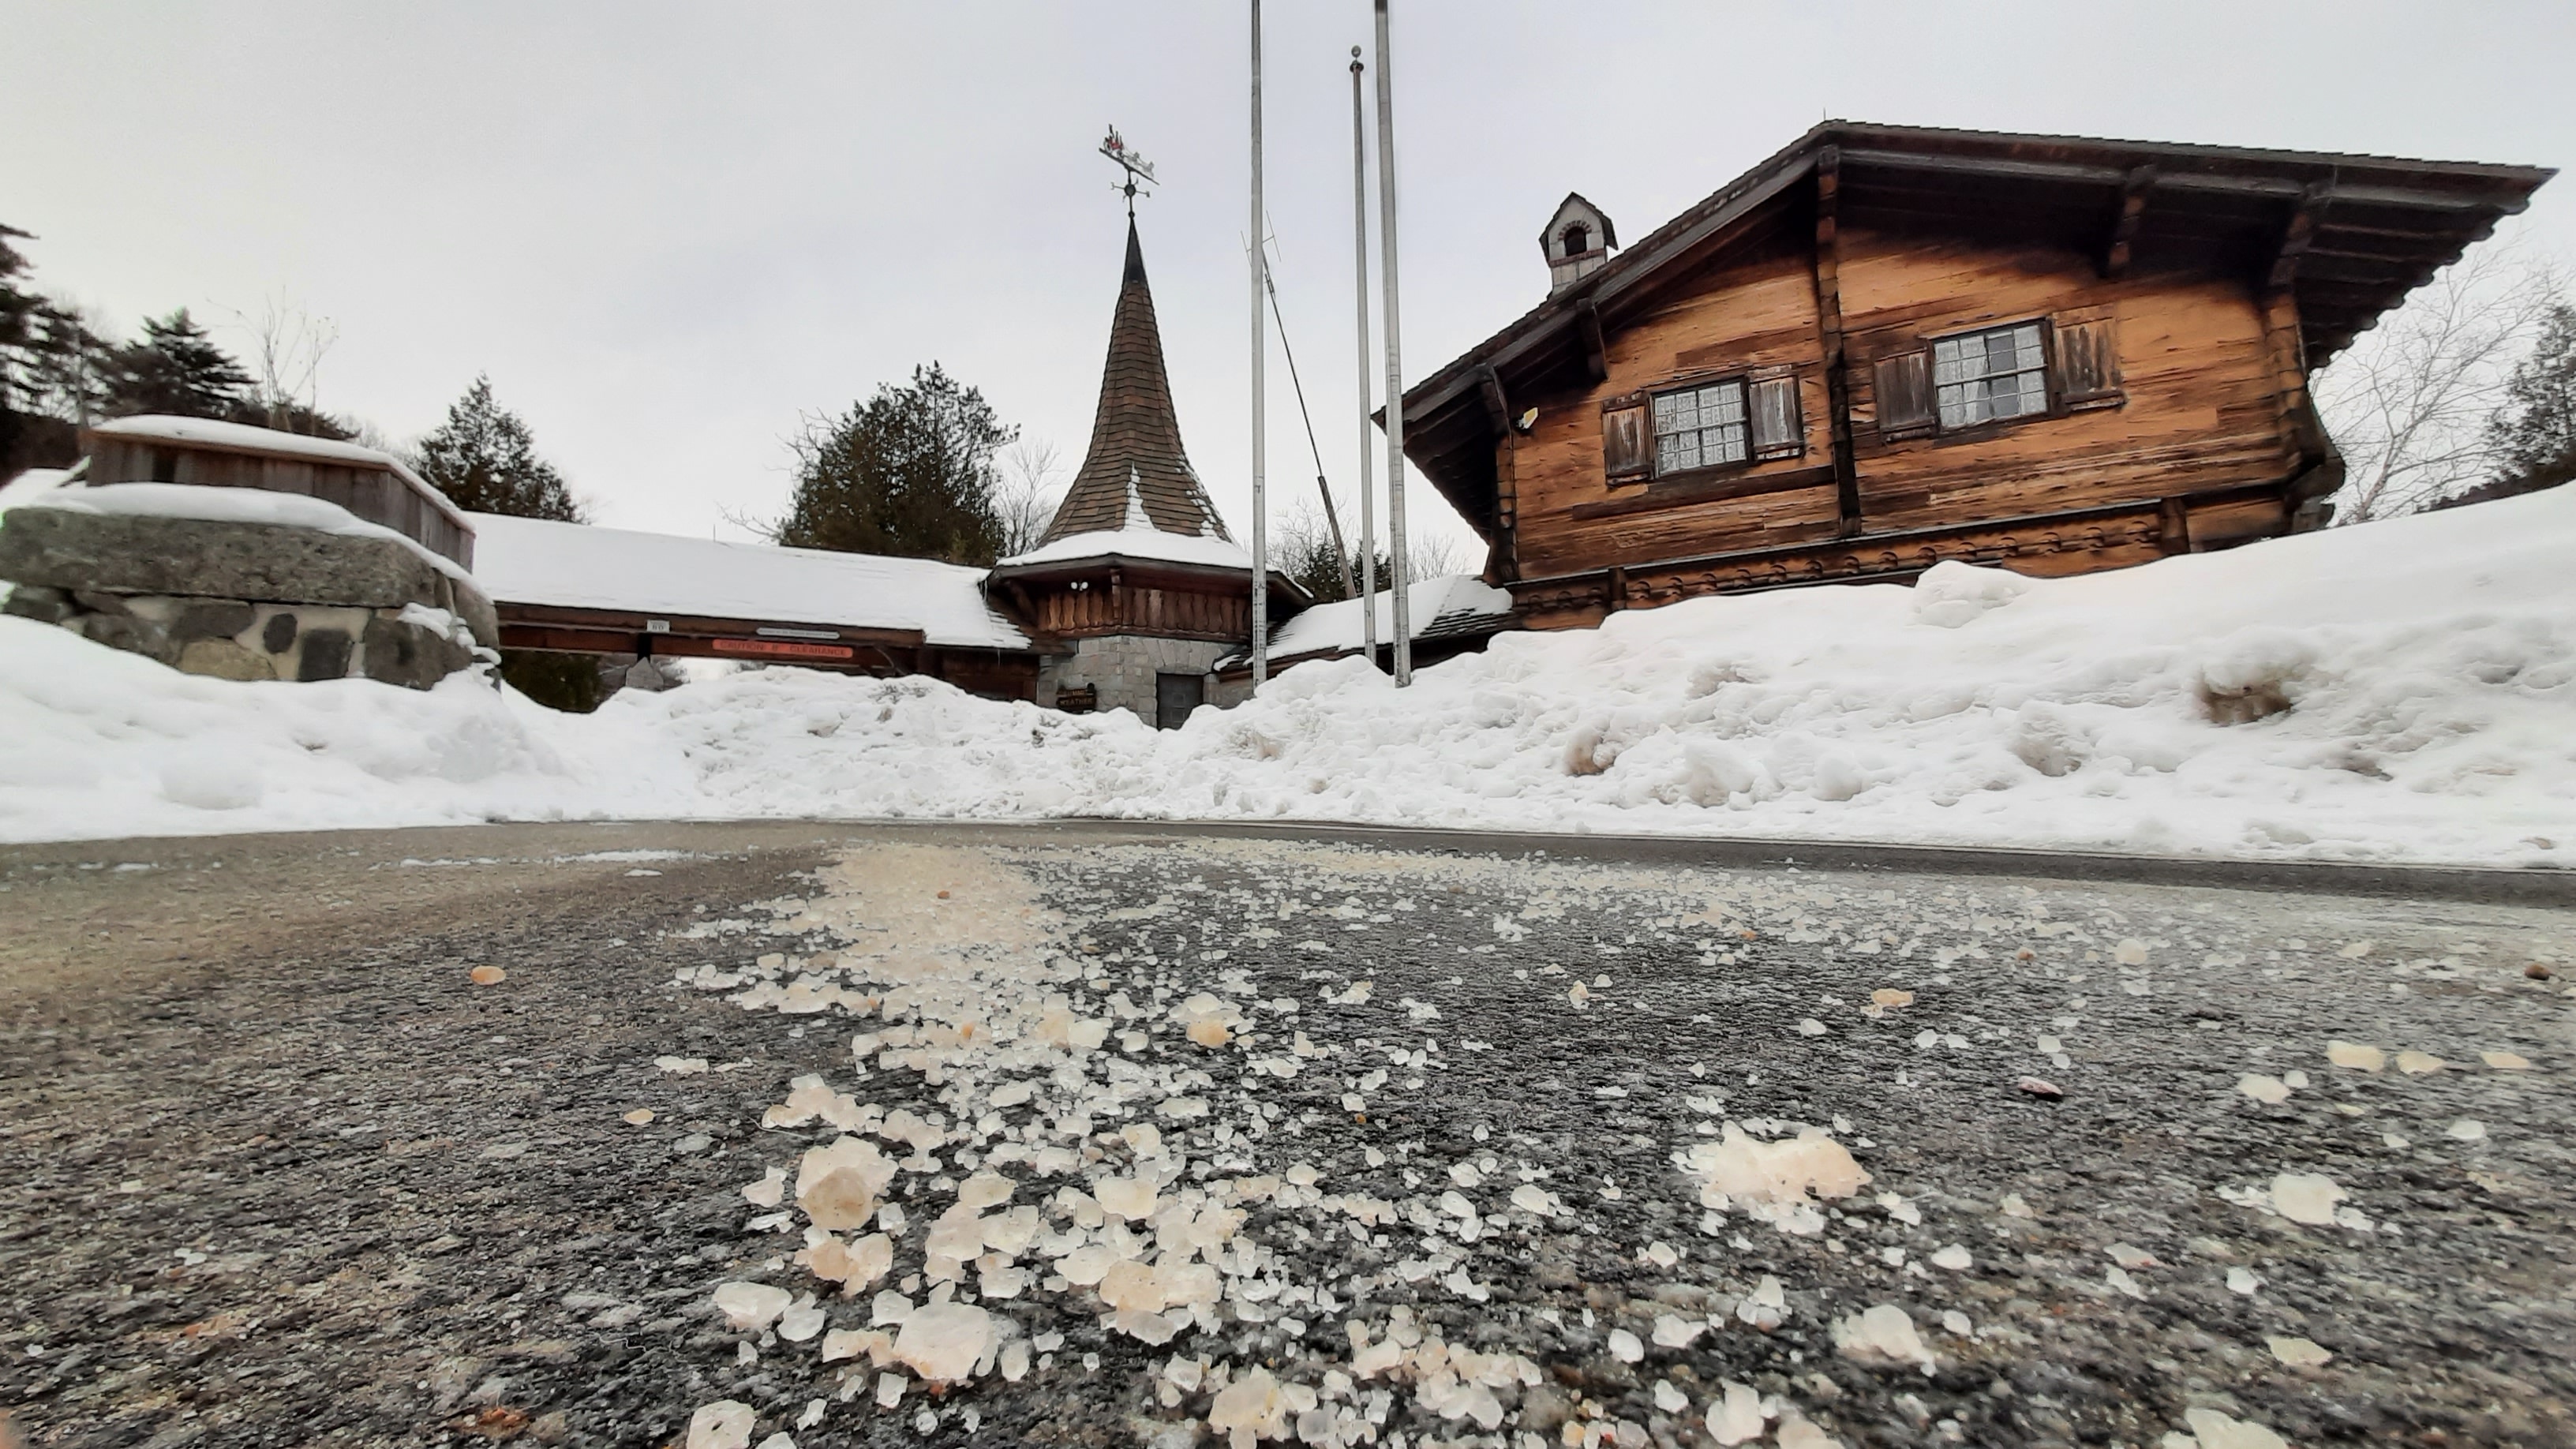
[(485, 460), (910, 473), (50, 365), (2535, 431), (178, 369)]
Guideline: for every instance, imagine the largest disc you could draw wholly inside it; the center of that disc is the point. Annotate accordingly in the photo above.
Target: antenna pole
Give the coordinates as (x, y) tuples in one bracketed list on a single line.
[(1394, 355), (1359, 293), (1260, 500)]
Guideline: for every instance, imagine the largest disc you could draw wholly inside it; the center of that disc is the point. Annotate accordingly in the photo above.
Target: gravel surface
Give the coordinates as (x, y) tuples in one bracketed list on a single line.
[(286, 1172)]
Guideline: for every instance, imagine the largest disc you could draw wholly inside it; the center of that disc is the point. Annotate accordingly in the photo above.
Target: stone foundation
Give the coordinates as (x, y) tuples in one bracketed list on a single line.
[(238, 639), (1123, 669)]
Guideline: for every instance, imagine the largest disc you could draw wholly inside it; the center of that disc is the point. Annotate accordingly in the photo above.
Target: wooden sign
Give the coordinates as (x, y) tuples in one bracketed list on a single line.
[(784, 649)]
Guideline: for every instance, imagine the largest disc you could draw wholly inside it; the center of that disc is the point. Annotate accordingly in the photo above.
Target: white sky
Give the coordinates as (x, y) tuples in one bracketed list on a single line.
[(668, 231)]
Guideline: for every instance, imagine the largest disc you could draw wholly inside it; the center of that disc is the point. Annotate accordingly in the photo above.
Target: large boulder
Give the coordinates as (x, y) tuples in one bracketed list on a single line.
[(128, 553), (243, 600)]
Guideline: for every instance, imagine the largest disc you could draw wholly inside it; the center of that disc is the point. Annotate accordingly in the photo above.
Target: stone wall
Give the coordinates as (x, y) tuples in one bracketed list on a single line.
[(1122, 667), (245, 601), (238, 639)]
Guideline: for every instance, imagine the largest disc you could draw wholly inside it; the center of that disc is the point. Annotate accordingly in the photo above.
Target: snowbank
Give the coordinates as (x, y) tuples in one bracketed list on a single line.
[(2401, 691)]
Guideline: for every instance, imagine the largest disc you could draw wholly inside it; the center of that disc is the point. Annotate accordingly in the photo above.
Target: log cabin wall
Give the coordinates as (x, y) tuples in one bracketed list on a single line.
[(2191, 403), (2204, 398), (1736, 322)]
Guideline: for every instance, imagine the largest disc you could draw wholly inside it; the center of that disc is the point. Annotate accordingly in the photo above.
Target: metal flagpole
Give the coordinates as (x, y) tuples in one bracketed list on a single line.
[(1394, 355), (1260, 503), (1359, 292)]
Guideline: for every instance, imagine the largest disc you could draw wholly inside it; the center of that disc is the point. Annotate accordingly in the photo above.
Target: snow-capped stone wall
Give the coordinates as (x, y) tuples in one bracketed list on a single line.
[(245, 600)]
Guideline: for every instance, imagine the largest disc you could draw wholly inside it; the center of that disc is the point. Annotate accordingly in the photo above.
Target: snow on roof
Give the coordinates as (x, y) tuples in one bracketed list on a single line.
[(243, 438), (232, 505), (577, 566), (1449, 600), (1139, 543)]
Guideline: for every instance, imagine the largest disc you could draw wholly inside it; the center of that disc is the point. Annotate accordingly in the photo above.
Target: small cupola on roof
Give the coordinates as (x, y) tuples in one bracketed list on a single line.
[(1135, 474), (1577, 241)]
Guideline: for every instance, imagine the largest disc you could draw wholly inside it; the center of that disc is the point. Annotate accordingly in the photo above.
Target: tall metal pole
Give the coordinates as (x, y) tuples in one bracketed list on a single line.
[(1394, 355), (1359, 293), (1260, 279)]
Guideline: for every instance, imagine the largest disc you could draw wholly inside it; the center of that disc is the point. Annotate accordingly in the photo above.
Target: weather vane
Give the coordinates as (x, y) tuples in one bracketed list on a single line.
[(1131, 161)]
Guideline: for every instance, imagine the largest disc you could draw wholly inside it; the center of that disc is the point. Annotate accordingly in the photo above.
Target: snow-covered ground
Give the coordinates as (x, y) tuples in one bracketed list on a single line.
[(2400, 691)]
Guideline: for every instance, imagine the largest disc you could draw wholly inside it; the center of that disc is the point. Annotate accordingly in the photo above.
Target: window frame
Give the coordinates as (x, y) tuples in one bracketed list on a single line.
[(1742, 382), (2051, 405)]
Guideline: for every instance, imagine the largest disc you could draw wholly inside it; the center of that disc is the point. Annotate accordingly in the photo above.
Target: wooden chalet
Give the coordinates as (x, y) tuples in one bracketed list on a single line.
[(1888, 346), (1136, 590)]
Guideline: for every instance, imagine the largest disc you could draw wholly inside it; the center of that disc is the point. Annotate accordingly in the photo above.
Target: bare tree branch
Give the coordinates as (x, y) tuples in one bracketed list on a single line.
[(2409, 403), (1430, 555), (287, 345), (1027, 493)]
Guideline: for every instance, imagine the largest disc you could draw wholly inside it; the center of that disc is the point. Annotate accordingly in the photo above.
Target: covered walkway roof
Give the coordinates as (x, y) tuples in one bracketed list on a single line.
[(607, 590)]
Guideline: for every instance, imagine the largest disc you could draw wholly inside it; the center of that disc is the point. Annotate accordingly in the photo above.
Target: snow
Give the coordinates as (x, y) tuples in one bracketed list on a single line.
[(578, 566), (1138, 541), (30, 485), (242, 437), (1336, 627), (235, 505), (2427, 666)]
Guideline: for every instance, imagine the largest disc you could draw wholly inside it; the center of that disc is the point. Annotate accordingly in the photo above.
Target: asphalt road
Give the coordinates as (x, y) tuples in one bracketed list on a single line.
[(281, 1172)]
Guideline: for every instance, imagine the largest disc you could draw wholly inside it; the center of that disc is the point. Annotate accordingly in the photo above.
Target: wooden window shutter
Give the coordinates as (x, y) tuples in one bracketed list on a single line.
[(1904, 393), (1778, 431), (1627, 444), (2084, 368)]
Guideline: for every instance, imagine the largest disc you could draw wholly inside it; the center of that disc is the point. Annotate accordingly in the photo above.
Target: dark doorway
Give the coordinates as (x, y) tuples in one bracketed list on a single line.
[(1175, 695)]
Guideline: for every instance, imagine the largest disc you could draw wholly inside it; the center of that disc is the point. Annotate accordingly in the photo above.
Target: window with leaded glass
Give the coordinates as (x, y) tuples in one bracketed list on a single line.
[(1989, 376), (1700, 427)]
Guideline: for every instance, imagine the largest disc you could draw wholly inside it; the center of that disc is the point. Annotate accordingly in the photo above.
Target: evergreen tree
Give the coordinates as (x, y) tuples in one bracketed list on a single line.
[(485, 460), (176, 368), (20, 311), (910, 472), (2535, 432), (48, 369)]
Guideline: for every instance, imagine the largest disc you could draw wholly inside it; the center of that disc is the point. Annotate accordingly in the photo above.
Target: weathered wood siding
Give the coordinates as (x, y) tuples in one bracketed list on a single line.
[(2197, 407), (1127, 607), (2180, 385), (373, 494), (1567, 514)]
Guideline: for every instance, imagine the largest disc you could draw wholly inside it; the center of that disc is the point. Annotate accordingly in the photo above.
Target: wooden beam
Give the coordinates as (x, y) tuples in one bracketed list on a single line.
[(2124, 227), (627, 621), (2173, 526), (1688, 492), (1829, 324), (1498, 406), (2296, 237), (1596, 347)]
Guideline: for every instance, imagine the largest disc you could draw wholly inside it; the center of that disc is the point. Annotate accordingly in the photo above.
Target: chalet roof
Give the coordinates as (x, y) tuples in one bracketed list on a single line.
[(1450, 606), (2368, 230), (1135, 472)]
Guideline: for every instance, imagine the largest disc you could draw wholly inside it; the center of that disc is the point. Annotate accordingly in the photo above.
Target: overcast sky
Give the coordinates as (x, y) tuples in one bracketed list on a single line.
[(669, 232)]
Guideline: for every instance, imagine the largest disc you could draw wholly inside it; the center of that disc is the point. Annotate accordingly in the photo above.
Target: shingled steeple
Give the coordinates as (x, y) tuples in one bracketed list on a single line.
[(1135, 463)]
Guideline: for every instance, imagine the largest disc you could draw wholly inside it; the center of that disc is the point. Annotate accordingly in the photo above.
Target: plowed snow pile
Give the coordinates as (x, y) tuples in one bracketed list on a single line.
[(2404, 690)]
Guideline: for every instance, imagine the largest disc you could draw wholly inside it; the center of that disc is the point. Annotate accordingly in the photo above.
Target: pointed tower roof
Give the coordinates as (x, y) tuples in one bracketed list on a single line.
[(1135, 475)]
